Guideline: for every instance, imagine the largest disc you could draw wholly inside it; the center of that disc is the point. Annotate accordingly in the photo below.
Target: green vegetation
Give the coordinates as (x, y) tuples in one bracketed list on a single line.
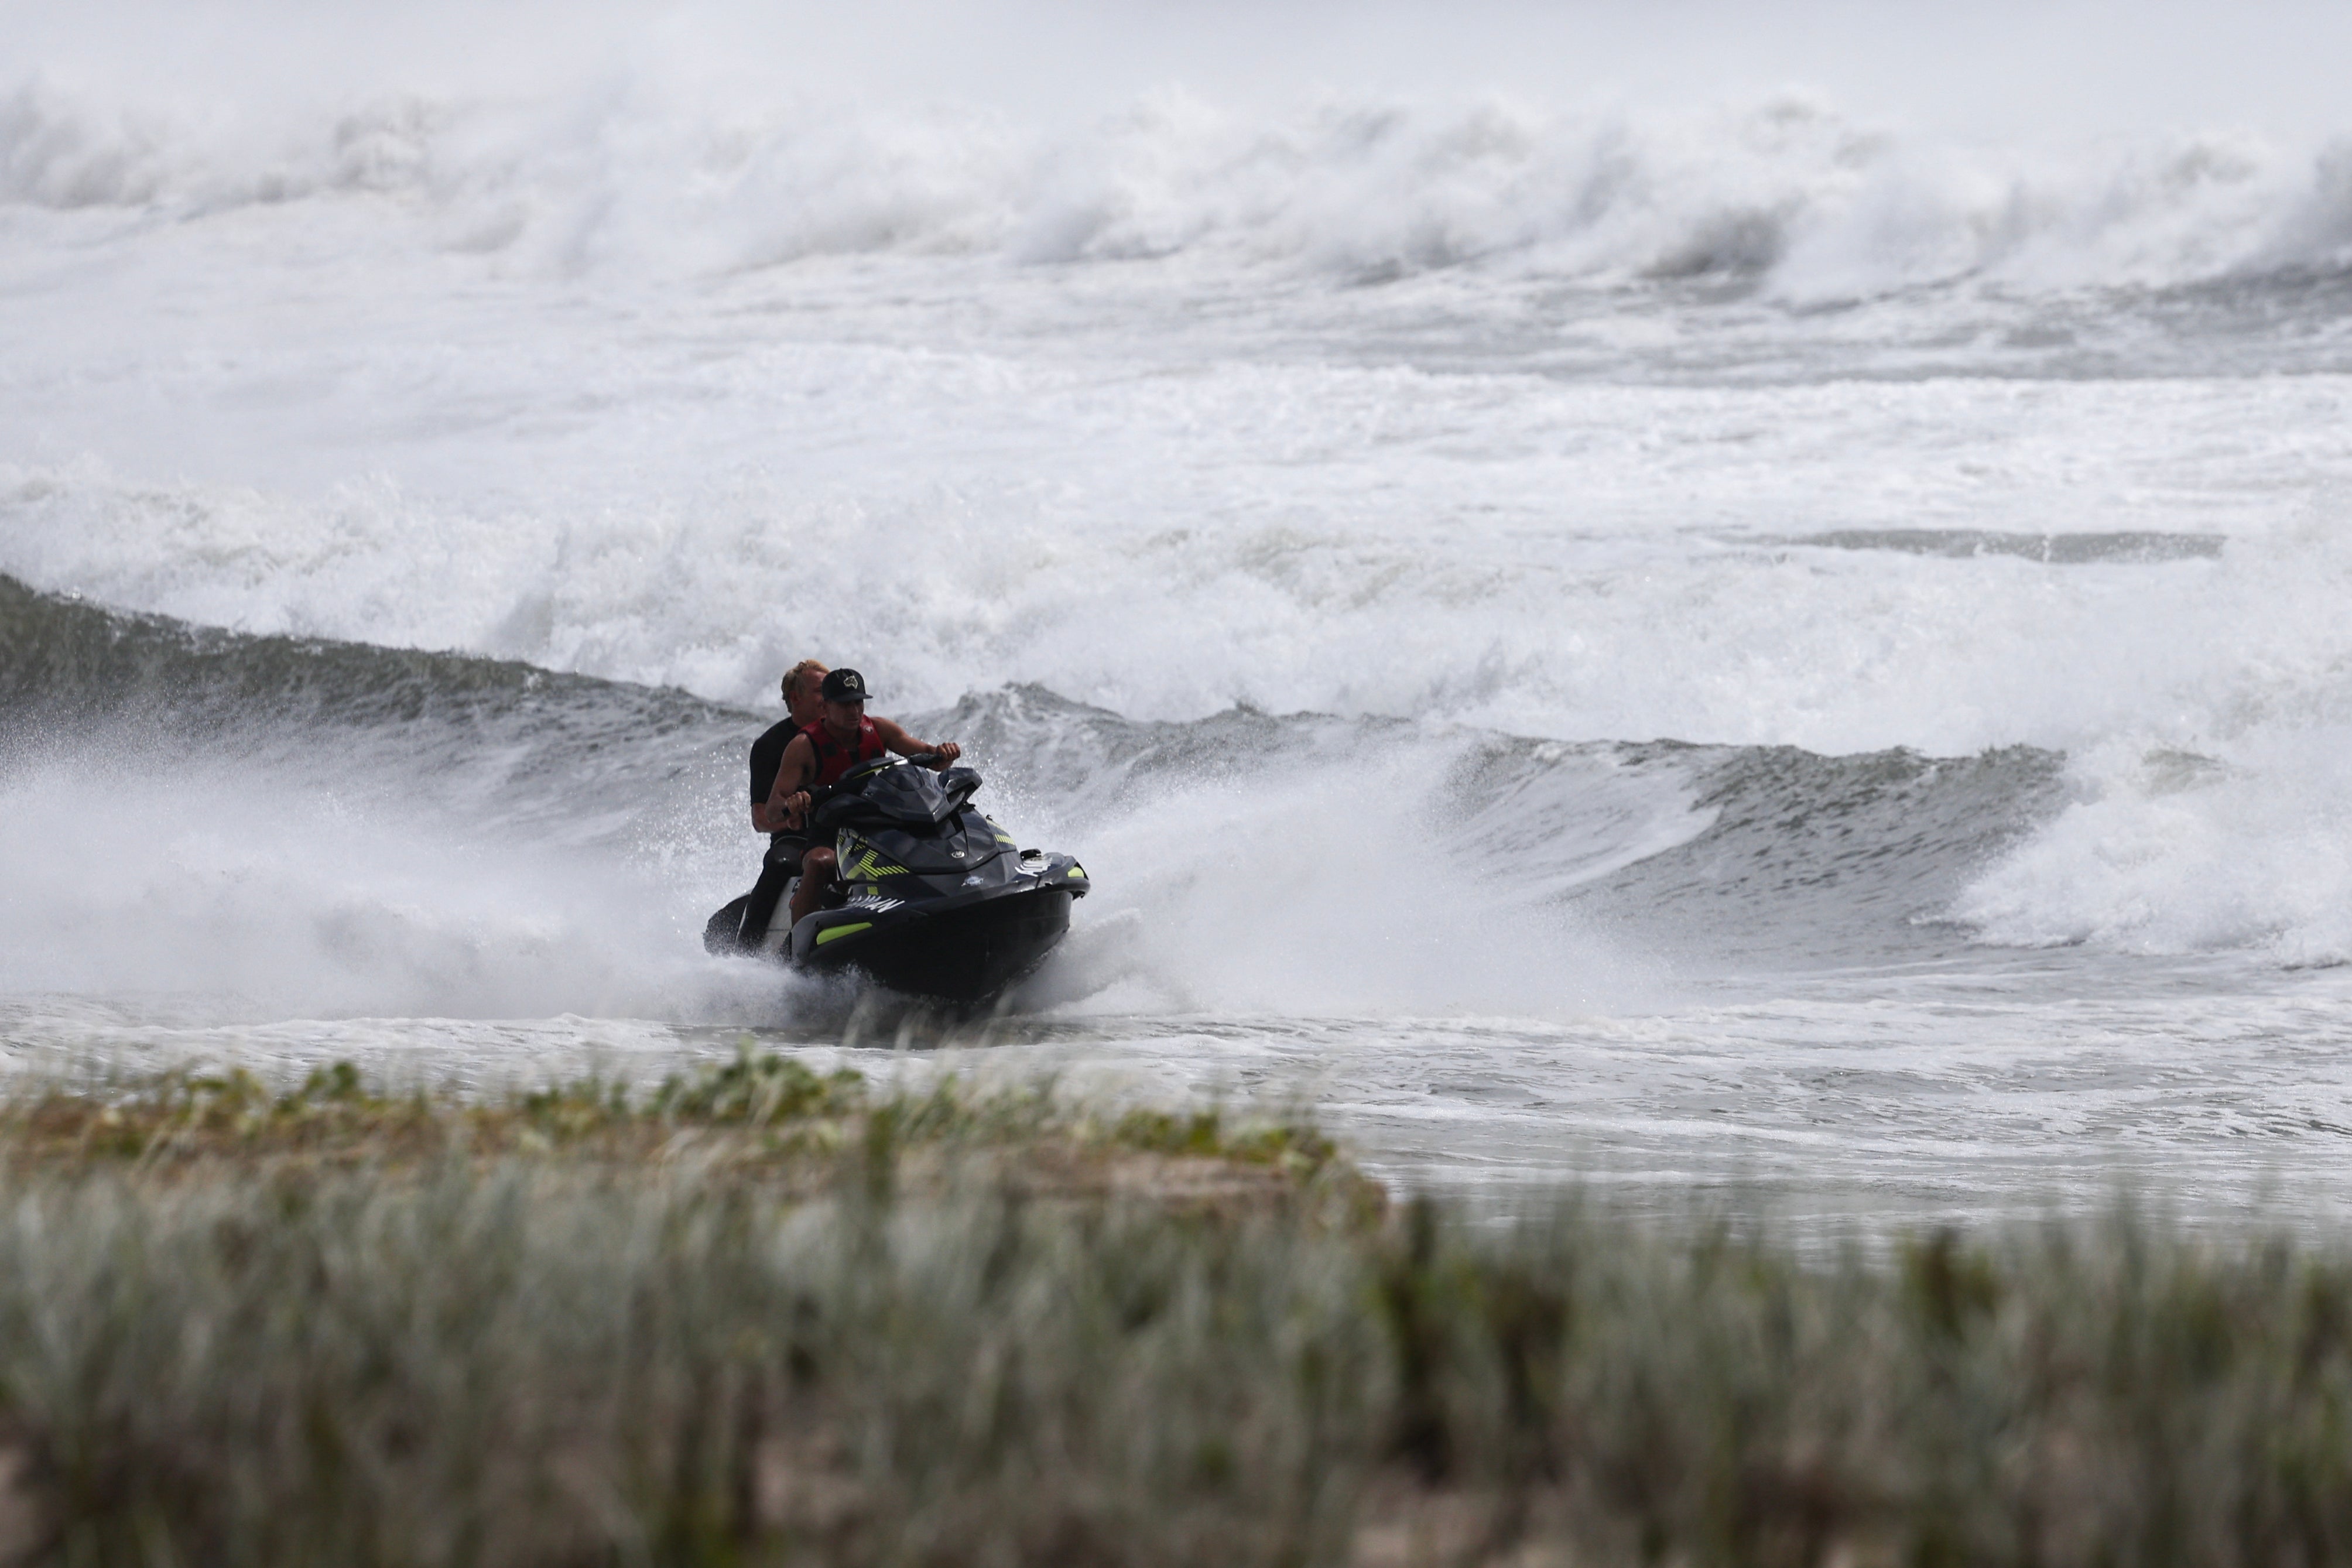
[(762, 1118), (332, 1326)]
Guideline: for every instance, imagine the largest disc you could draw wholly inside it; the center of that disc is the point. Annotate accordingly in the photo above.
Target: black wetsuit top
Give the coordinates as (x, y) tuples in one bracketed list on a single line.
[(767, 756), (767, 761), (784, 850)]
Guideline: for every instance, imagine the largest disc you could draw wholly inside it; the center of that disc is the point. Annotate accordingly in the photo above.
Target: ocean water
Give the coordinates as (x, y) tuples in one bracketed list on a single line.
[(1628, 595)]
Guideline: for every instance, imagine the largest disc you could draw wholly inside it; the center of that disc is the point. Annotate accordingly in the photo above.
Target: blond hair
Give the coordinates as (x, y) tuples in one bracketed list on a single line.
[(805, 668)]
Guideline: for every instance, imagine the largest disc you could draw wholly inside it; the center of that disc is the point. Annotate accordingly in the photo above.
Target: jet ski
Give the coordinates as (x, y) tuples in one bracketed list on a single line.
[(936, 901)]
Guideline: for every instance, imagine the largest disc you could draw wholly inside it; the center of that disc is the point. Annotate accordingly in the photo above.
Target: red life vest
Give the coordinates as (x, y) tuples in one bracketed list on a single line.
[(834, 758)]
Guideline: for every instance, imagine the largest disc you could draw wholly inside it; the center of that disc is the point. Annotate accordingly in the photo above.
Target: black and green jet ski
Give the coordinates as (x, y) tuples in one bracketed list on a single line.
[(937, 901)]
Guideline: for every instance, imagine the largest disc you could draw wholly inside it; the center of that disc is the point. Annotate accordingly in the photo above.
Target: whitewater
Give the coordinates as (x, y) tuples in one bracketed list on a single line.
[(1643, 627)]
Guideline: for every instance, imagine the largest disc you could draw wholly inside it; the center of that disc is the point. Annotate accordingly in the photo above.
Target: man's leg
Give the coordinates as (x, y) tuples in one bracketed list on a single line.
[(775, 874), (816, 879)]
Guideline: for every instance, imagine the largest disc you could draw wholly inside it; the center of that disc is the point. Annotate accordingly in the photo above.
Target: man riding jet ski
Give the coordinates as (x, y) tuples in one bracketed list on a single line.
[(750, 915), (822, 755), (933, 898)]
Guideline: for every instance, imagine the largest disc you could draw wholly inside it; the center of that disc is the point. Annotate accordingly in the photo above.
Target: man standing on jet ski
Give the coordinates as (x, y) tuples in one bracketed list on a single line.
[(841, 739)]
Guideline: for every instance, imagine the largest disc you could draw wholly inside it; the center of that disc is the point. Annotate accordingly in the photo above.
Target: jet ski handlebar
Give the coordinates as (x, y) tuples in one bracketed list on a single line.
[(858, 776)]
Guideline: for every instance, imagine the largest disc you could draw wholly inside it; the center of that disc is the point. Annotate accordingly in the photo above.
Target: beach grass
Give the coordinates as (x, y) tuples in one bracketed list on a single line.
[(765, 1315), (764, 1117)]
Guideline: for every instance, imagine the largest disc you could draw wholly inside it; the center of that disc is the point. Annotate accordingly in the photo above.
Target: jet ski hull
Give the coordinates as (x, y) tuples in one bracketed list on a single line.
[(966, 951)]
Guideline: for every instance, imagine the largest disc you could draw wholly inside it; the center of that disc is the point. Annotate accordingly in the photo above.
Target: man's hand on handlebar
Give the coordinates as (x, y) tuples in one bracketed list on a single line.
[(943, 754), (795, 809)]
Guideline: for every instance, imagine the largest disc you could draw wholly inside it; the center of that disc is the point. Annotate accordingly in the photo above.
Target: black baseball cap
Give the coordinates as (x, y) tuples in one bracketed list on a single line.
[(843, 685)]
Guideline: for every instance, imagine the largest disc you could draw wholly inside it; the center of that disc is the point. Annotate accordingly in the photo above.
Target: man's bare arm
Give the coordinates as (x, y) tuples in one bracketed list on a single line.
[(895, 737), (793, 774)]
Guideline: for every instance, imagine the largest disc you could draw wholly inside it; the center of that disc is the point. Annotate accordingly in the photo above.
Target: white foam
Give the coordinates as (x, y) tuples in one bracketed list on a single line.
[(1577, 563), (1348, 886), (637, 172), (2217, 821), (2176, 854), (237, 894)]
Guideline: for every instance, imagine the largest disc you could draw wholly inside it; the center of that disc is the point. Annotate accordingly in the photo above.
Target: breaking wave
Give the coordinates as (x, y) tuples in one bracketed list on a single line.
[(1788, 197), (335, 828), (342, 828)]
